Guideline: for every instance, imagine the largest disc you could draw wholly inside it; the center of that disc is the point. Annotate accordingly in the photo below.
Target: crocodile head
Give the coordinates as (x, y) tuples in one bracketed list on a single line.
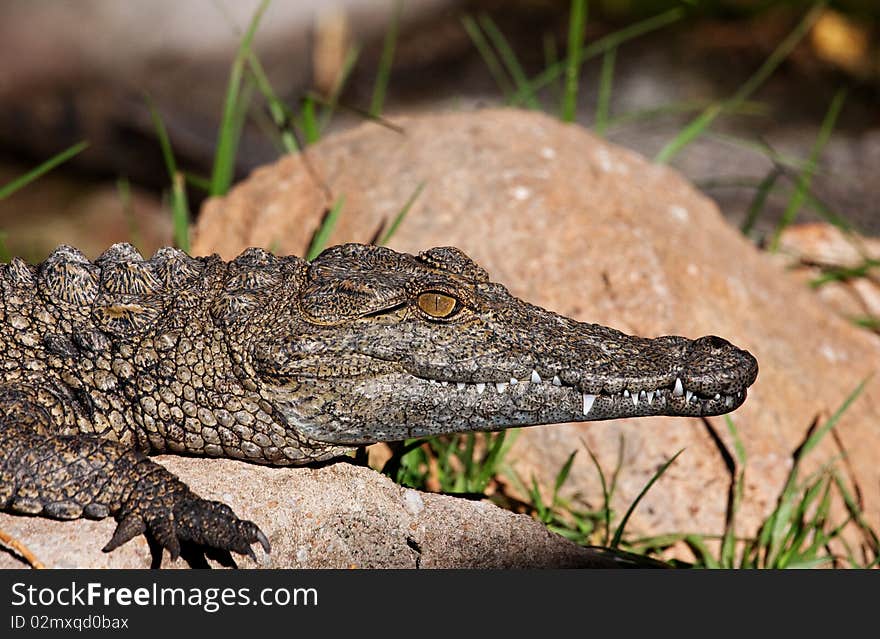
[(382, 346)]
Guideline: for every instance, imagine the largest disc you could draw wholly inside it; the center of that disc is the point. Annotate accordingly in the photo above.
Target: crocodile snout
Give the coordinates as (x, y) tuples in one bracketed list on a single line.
[(714, 365)]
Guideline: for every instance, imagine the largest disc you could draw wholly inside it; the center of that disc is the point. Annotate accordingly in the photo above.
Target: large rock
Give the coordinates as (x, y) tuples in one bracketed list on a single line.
[(340, 516), (598, 233)]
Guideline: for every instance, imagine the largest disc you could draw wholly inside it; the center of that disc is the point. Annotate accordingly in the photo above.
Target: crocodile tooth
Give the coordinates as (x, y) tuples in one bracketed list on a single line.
[(514, 380), (557, 381), (480, 388), (444, 383), (635, 398), (625, 393), (500, 387), (728, 401), (536, 379), (678, 391), (717, 396), (687, 396), (650, 397), (460, 385), (588, 402)]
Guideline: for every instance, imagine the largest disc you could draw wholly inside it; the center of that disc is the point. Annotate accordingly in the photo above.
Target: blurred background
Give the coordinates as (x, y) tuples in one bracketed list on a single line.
[(113, 74)]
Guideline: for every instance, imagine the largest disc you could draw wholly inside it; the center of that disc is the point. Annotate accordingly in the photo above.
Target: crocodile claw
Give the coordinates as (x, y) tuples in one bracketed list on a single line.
[(174, 514)]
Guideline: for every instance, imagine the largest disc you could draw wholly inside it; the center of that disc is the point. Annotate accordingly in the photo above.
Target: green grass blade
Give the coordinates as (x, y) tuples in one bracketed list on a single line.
[(727, 556), (738, 446), (843, 274), (230, 129), (759, 201), (705, 119), (330, 104), (164, 140), (603, 102), (386, 237), (277, 109), (20, 182), (467, 459), (810, 563), (494, 456), (489, 58), (383, 73), (618, 534), (611, 41), (701, 551), (817, 435), (805, 179), (562, 475), (309, 119), (606, 496), (577, 20), (326, 228), (855, 512), (541, 510), (798, 526), (511, 63), (618, 466), (822, 209), (690, 133), (762, 147), (200, 182), (551, 57), (180, 212), (180, 215)]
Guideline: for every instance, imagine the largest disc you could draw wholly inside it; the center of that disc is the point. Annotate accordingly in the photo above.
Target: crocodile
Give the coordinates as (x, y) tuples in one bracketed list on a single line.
[(276, 360)]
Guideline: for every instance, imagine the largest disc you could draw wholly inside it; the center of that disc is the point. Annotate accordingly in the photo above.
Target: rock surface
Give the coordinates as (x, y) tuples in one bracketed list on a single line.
[(810, 249), (341, 516), (596, 232)]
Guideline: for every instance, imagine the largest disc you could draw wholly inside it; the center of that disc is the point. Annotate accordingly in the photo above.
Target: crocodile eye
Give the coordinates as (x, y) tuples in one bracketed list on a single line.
[(437, 304)]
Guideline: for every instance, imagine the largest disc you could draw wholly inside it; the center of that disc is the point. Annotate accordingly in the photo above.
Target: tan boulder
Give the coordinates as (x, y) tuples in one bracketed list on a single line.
[(596, 232), (341, 516)]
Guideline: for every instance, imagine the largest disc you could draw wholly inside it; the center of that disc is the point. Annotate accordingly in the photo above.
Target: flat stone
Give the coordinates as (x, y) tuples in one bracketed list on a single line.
[(341, 516)]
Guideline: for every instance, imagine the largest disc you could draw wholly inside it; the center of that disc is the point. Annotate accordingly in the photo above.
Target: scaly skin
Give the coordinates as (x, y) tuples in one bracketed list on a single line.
[(278, 361)]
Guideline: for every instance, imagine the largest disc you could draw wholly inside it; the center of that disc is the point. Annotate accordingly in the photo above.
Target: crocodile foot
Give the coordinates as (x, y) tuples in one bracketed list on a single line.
[(173, 515)]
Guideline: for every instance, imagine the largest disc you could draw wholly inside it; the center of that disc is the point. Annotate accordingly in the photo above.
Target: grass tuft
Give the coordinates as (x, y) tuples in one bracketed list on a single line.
[(453, 464), (180, 214), (490, 59), (603, 102), (600, 46), (322, 235), (234, 109), (20, 182), (618, 533), (576, 26), (805, 178), (703, 121), (798, 532), (383, 73)]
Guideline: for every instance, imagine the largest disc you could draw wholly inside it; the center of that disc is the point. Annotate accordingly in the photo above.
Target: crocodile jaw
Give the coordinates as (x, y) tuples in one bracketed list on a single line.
[(395, 405)]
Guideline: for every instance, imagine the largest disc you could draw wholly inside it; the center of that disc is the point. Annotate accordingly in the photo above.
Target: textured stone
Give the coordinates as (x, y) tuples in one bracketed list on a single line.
[(808, 249), (595, 232), (341, 516)]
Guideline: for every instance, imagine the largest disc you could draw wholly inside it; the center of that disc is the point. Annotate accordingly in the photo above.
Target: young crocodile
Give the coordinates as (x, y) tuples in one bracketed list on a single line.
[(278, 361)]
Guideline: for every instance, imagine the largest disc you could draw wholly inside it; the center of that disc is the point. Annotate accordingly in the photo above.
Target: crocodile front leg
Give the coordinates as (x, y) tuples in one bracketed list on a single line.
[(68, 477)]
